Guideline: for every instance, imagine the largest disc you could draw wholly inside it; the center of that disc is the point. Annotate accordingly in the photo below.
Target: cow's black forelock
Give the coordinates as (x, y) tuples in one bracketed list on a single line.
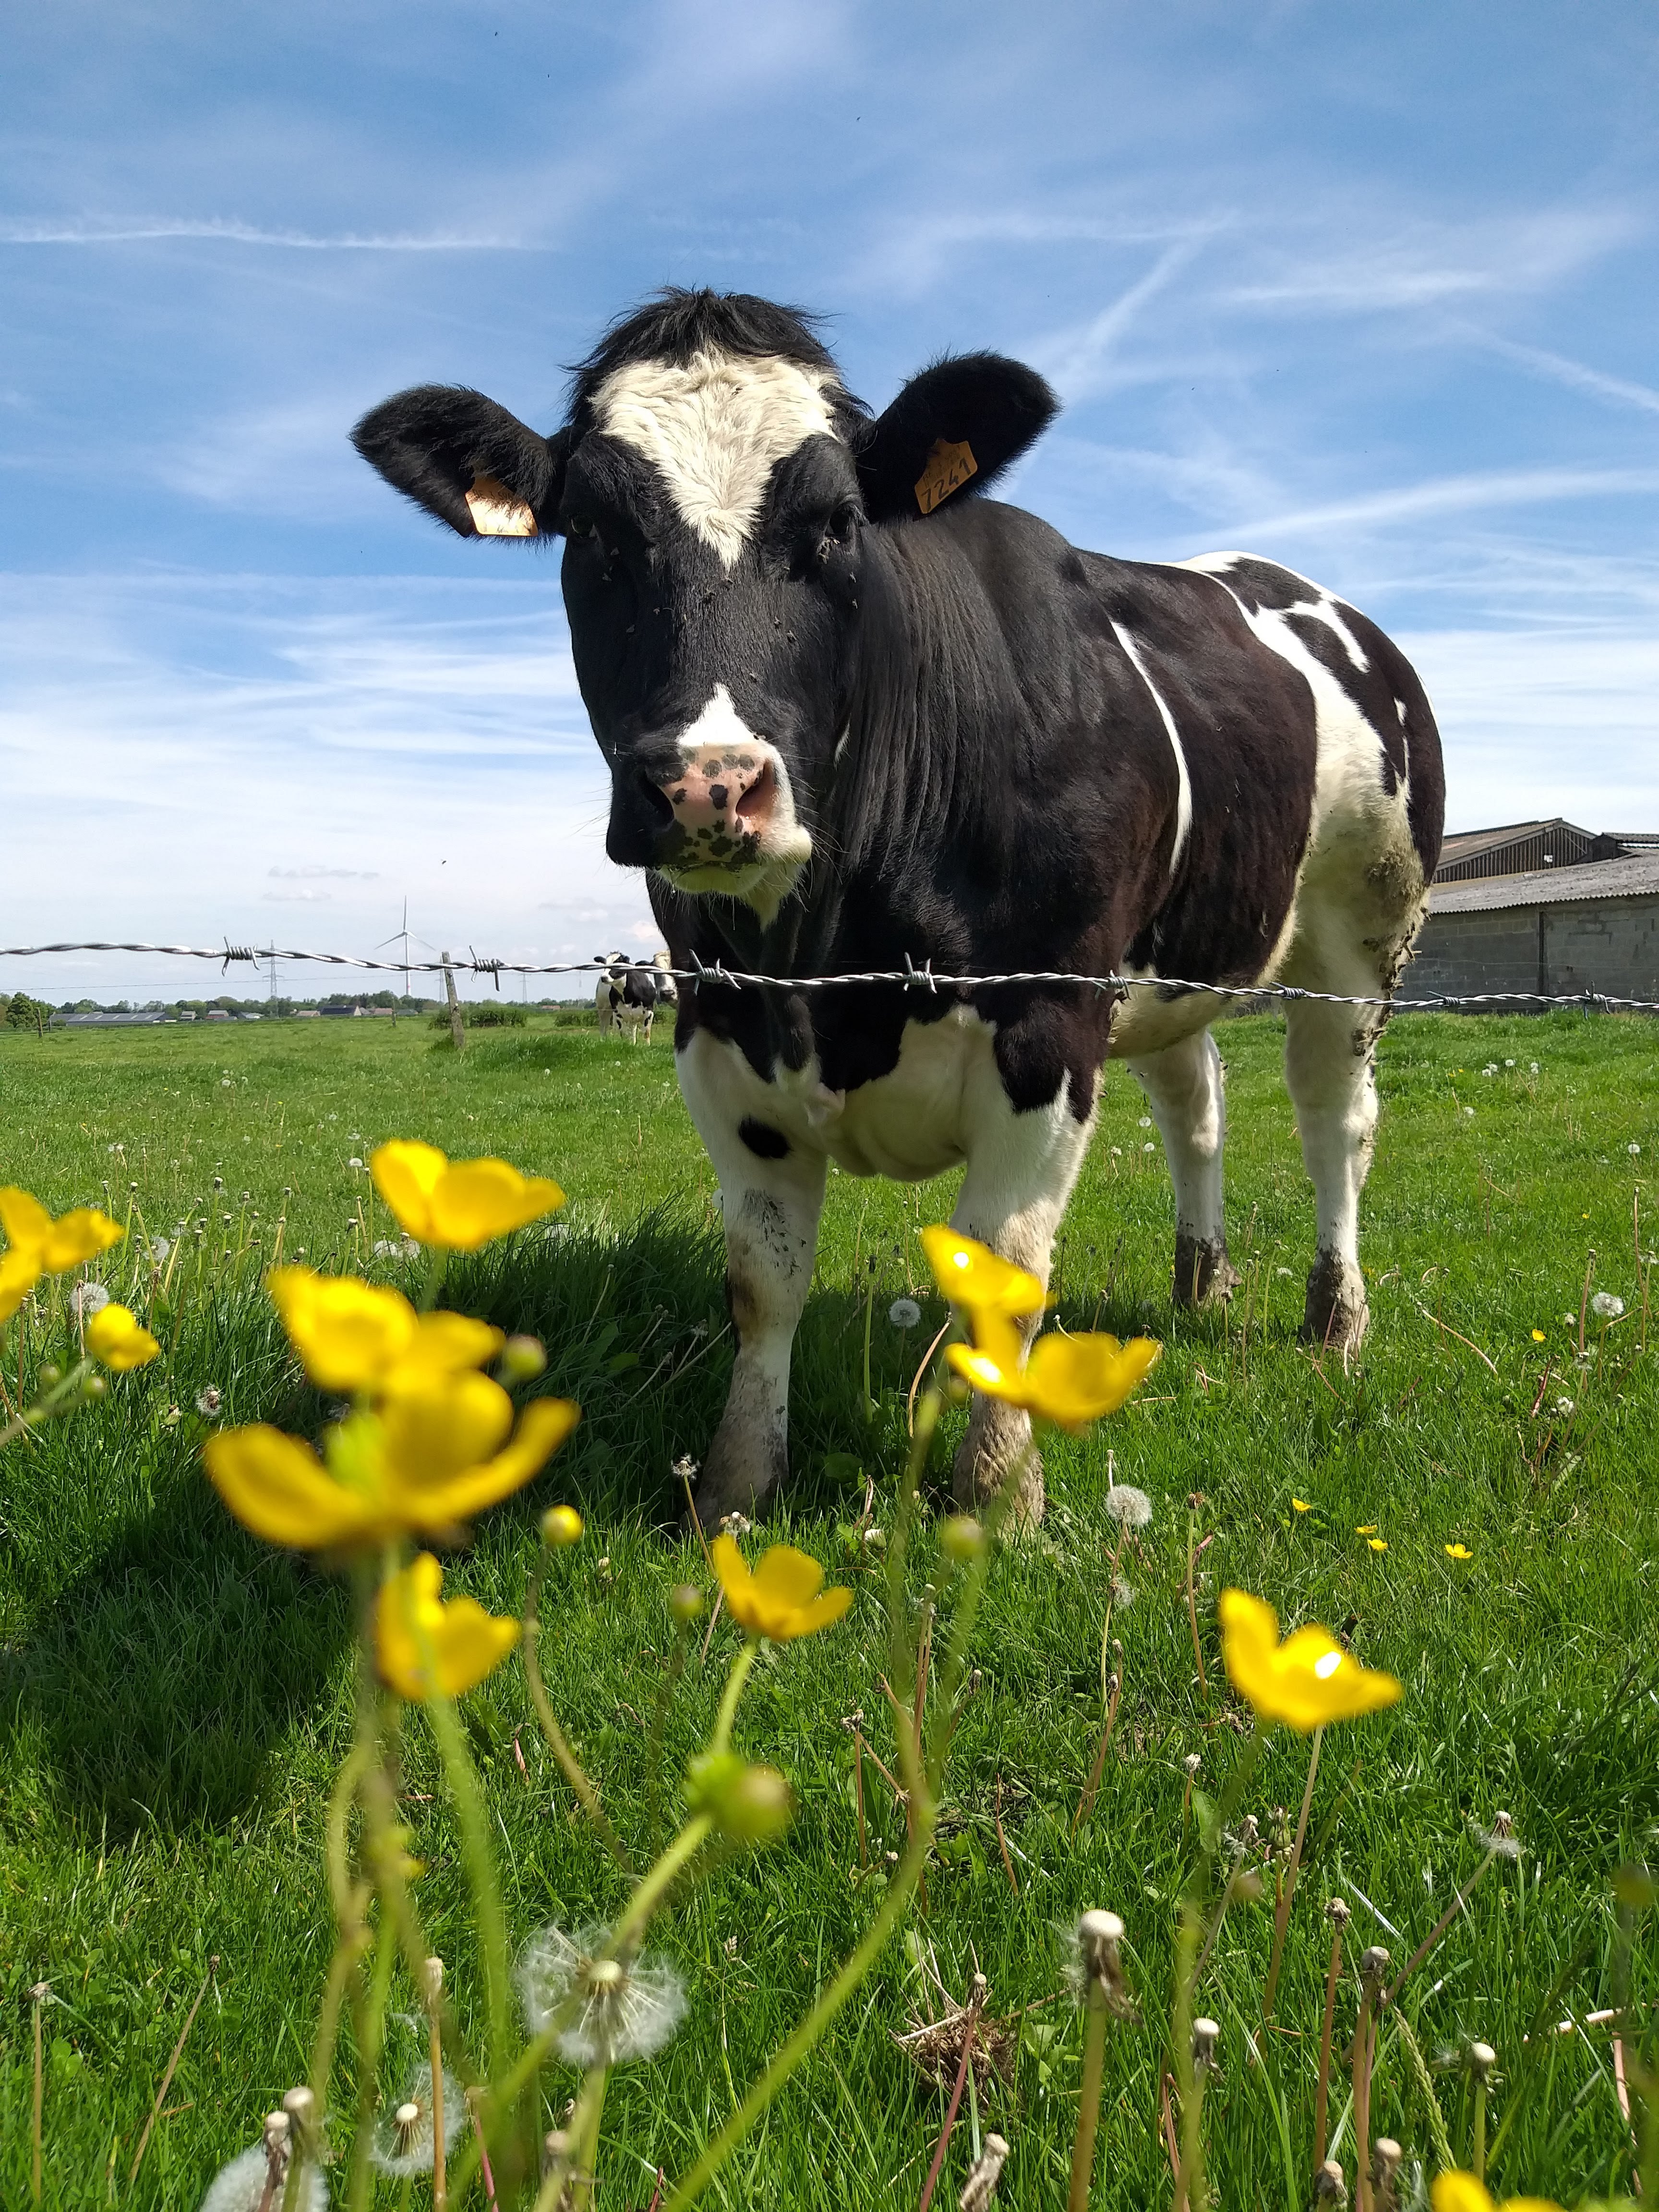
[(677, 323)]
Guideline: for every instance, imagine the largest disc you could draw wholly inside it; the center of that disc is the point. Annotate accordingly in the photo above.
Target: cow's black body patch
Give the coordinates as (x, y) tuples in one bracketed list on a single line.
[(765, 1142)]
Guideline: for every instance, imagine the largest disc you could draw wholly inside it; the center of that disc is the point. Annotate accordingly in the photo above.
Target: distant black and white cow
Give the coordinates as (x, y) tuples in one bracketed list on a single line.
[(628, 999), (854, 712)]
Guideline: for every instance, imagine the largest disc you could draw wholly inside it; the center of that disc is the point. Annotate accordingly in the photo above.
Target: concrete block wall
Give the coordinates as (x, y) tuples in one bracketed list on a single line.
[(1610, 945)]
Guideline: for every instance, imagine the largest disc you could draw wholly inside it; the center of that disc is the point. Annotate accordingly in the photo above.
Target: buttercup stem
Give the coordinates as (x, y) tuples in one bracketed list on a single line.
[(361, 2186), (741, 1666), (569, 1766), (475, 1849), (437, 1264), (655, 1884), (1189, 2180), (801, 2043), (1282, 1911)]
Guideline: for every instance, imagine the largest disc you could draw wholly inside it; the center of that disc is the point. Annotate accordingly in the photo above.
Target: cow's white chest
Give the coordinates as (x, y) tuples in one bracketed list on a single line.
[(916, 1121)]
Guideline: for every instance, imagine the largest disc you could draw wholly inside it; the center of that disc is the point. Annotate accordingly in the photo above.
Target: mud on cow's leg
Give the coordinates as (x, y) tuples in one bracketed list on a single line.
[(770, 1201), (1021, 1167), (1330, 1070), (1185, 1089)]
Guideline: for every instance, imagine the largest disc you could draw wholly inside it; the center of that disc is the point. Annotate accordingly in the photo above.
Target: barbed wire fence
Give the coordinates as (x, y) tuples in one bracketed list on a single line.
[(910, 977)]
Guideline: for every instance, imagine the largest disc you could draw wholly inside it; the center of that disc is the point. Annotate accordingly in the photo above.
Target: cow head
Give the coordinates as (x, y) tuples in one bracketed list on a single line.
[(723, 500)]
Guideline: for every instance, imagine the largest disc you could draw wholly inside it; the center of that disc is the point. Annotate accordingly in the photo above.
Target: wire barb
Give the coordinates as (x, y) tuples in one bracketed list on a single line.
[(910, 976)]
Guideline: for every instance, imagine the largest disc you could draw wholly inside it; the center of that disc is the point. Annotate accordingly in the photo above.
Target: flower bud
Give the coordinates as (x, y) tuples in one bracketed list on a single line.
[(562, 1526), (962, 1538), (50, 1377), (93, 1386), (750, 1805), (685, 1603), (522, 1359)]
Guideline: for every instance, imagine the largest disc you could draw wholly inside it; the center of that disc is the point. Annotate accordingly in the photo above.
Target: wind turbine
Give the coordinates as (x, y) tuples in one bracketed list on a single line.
[(400, 936)]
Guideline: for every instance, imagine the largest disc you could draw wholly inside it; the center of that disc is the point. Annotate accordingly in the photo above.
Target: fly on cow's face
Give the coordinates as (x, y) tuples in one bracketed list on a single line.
[(860, 717)]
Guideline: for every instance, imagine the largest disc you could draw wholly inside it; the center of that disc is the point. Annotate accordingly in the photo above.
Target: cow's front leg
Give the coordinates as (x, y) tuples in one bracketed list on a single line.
[(1184, 1089), (1021, 1168), (771, 1196), (1330, 1069)]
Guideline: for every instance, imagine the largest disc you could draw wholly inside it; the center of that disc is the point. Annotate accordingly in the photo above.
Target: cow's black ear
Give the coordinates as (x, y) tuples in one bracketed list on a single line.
[(951, 433), (466, 460)]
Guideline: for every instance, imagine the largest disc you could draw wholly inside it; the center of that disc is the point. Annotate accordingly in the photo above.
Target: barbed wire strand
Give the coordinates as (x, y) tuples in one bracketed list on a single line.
[(909, 976)]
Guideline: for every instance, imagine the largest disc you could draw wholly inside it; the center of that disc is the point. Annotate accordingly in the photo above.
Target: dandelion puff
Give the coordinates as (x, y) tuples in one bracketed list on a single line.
[(159, 1248), (605, 2011), (403, 2137), (1563, 1404), (1532, 1070), (904, 1313), (1500, 1839), (1606, 1306), (1149, 1148), (1122, 1595), (208, 1401), (241, 2185), (88, 1298), (1129, 1507)]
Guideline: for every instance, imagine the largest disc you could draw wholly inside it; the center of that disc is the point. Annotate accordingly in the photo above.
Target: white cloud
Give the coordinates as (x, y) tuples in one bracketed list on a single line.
[(1455, 494), (117, 230), (1431, 265)]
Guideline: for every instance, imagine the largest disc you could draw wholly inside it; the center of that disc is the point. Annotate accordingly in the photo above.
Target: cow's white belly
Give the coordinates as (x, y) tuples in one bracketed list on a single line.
[(915, 1122)]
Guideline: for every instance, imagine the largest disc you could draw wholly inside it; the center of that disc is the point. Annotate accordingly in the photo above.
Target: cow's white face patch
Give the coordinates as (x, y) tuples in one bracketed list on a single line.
[(735, 807), (715, 426)]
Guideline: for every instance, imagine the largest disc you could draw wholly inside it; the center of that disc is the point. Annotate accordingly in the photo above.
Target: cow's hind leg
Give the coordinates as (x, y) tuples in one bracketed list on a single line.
[(771, 1196), (1330, 1067), (1185, 1089), (1021, 1168)]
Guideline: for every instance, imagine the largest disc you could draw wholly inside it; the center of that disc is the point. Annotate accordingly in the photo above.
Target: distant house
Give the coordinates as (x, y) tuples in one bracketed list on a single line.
[(106, 1021), (1555, 930)]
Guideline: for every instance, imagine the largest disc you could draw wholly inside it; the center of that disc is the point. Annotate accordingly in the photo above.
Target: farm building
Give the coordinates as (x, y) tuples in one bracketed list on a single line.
[(1555, 931)]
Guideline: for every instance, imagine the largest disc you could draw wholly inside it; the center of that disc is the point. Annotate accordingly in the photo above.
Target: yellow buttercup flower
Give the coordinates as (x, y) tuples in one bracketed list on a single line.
[(971, 1275), (1068, 1380), (783, 1597), (37, 1245), (118, 1340), (353, 1335), (433, 1456), (1538, 1336), (419, 1640), (1459, 1552), (1306, 1681), (1366, 1529), (1301, 1506), (1379, 1543), (461, 1207), (1461, 2192)]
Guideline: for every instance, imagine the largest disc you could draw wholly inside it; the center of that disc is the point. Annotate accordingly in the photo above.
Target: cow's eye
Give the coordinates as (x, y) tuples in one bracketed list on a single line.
[(579, 526), (843, 524)]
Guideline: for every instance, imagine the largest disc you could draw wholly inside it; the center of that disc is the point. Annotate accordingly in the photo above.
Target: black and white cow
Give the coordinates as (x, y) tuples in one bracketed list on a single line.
[(628, 997), (853, 711)]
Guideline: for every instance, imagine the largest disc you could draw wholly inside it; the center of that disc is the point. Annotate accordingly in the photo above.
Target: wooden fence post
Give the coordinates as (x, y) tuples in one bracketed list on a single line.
[(457, 1026)]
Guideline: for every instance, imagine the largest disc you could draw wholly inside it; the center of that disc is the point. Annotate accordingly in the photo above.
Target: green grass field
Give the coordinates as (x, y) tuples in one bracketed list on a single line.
[(175, 1697)]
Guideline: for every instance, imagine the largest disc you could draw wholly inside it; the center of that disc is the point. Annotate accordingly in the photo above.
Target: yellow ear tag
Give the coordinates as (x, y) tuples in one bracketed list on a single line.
[(948, 468), (498, 513)]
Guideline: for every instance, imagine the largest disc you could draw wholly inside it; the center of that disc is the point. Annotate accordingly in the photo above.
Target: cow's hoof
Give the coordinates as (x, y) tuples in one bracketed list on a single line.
[(1336, 1316), (981, 1472), (1204, 1275), (738, 1476)]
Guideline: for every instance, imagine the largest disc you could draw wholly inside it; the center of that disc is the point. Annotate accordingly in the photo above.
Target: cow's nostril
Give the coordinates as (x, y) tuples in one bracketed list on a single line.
[(659, 806), (756, 802)]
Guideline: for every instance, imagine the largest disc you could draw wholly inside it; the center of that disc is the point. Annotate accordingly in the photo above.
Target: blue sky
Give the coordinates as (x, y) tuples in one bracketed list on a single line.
[(1369, 291)]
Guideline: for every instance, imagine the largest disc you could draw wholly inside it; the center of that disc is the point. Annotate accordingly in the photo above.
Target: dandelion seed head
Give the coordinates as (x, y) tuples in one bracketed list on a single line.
[(241, 2185), (1500, 1839), (1146, 1121), (1149, 1148), (605, 2011), (403, 2142), (1129, 1507), (86, 1299), (209, 1400), (1563, 1404), (1607, 1305), (904, 1313), (159, 1248)]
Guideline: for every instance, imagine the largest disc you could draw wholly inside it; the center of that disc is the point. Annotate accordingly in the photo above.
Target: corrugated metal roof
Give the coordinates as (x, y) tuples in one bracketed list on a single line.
[(1632, 877)]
